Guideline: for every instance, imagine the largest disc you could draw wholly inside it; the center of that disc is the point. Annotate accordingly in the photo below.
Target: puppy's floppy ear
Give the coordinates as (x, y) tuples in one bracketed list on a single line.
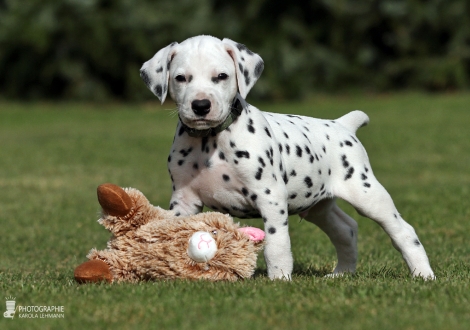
[(248, 65), (155, 72)]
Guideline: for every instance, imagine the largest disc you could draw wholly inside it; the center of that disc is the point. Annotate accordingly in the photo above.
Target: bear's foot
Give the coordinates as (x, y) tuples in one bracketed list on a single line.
[(114, 200), (92, 271)]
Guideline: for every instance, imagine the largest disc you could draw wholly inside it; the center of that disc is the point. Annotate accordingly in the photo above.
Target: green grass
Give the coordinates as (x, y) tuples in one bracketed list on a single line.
[(53, 156)]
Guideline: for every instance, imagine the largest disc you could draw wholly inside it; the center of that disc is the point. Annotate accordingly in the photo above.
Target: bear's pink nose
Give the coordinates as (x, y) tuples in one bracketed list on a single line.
[(255, 234)]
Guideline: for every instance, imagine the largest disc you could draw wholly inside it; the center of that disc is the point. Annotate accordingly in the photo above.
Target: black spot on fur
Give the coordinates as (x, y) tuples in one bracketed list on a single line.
[(259, 173), (172, 205), (251, 129), (242, 154), (298, 151), (345, 162), (280, 148), (195, 166), (306, 137), (261, 161), (221, 155), (242, 47), (245, 191), (324, 149), (292, 196), (285, 134), (267, 191), (181, 131), (254, 197), (169, 159), (282, 212), (180, 162), (267, 132), (366, 184), (363, 176), (259, 69), (349, 174), (232, 144), (341, 144), (284, 178), (247, 77), (307, 150), (329, 171), (417, 243), (307, 195), (288, 149), (185, 153), (293, 173), (308, 181), (272, 230), (348, 143), (158, 90), (225, 177), (145, 77), (208, 163)]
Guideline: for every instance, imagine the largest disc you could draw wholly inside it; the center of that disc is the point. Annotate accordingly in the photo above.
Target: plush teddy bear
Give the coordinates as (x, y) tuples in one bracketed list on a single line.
[(149, 242)]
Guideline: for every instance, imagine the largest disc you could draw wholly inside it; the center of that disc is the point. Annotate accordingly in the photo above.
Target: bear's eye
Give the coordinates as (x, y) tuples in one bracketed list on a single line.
[(214, 232)]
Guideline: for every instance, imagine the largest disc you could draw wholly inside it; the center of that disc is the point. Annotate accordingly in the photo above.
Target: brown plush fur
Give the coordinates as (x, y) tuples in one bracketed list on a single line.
[(149, 242)]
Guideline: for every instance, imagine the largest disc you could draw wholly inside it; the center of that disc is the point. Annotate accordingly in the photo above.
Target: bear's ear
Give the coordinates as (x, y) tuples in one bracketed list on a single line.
[(155, 72), (248, 65)]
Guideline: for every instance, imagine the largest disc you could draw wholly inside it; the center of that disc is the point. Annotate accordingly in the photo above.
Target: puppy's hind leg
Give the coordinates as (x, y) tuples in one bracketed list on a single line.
[(341, 230), (371, 199)]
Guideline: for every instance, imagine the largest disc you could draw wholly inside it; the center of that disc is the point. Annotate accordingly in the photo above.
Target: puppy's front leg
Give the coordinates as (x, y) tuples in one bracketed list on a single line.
[(185, 202), (277, 251)]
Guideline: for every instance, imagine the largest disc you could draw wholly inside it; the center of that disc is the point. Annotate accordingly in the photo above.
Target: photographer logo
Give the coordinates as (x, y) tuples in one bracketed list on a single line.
[(10, 313), (32, 312)]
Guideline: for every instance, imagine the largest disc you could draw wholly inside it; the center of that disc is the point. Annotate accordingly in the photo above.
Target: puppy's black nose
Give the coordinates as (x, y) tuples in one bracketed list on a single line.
[(201, 107)]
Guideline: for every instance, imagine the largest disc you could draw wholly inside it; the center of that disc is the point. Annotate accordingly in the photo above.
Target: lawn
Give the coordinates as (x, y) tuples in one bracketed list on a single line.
[(54, 155)]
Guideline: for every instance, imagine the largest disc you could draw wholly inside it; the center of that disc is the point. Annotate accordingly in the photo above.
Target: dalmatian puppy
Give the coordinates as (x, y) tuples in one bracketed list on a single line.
[(233, 158)]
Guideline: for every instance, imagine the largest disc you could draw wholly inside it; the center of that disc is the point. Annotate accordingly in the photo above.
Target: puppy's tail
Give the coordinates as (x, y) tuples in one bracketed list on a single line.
[(354, 120)]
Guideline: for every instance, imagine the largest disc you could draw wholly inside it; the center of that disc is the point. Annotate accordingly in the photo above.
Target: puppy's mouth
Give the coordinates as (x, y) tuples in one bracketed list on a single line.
[(201, 123)]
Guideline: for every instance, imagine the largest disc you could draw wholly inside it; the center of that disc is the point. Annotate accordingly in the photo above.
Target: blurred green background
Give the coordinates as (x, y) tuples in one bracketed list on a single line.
[(93, 49)]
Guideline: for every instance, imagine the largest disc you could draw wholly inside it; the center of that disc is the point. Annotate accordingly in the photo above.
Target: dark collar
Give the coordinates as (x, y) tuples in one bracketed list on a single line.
[(237, 109)]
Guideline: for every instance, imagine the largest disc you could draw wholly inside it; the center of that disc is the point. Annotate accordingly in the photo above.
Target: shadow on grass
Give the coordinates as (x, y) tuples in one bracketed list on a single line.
[(300, 270)]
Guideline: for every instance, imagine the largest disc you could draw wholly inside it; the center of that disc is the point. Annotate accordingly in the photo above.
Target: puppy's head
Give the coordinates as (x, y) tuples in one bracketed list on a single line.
[(202, 75)]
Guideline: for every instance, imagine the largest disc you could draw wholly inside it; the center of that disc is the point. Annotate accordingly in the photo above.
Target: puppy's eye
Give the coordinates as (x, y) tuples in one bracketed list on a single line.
[(214, 232), (180, 78), (222, 76)]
